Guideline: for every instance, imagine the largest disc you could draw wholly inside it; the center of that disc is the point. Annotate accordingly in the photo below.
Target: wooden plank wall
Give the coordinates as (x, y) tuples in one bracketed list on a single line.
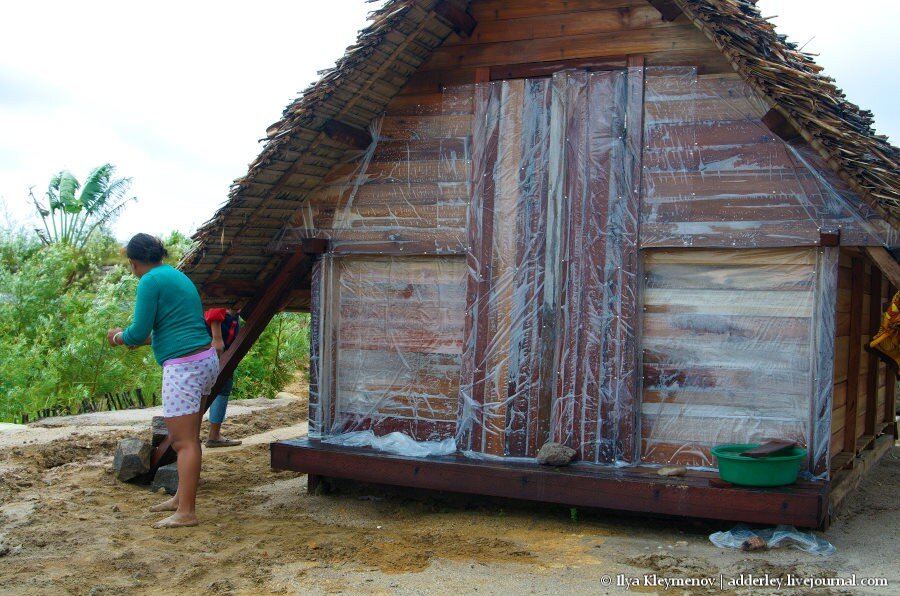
[(588, 393), (706, 160), (716, 176), (863, 383), (398, 344), (726, 345), (409, 192), (533, 31), (500, 396)]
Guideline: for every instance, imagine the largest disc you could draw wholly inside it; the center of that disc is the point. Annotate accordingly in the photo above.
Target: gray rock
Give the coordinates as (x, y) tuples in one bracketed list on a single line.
[(555, 454), (160, 432), (166, 478), (132, 459), (672, 471)]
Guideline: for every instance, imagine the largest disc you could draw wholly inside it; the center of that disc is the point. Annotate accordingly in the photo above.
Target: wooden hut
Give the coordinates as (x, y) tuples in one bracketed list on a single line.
[(638, 228)]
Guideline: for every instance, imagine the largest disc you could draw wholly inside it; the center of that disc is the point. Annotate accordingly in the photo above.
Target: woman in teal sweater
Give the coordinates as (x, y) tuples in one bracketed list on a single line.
[(168, 315)]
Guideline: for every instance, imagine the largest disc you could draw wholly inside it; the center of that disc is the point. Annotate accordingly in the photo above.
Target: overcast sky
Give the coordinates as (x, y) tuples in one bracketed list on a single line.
[(177, 94)]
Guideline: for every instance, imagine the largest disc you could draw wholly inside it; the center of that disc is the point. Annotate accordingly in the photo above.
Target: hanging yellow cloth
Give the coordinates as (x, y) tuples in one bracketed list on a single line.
[(887, 340)]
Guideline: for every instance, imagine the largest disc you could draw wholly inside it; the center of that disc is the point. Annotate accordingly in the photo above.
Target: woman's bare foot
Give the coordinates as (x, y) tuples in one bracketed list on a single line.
[(177, 520), (169, 505)]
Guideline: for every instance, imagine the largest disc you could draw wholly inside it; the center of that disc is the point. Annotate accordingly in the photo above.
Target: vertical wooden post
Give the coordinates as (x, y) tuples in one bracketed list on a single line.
[(503, 271), (822, 402), (628, 321), (479, 261), (525, 410), (550, 302), (890, 389), (873, 372), (316, 423), (566, 407), (857, 273)]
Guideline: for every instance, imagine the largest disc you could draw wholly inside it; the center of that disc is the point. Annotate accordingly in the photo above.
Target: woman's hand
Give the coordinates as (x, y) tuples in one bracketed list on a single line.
[(114, 337)]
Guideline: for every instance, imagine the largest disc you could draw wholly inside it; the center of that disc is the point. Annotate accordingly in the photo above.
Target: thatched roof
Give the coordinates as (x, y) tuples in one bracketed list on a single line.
[(402, 34)]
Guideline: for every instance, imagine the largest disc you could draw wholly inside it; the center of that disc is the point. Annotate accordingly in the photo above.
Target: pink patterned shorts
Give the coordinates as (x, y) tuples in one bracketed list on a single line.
[(186, 380)]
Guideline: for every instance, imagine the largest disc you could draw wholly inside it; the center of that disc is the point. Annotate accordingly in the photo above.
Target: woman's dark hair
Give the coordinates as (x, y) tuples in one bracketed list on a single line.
[(146, 249)]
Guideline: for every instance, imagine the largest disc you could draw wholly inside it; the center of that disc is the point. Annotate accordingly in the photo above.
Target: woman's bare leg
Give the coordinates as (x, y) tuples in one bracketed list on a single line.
[(185, 433)]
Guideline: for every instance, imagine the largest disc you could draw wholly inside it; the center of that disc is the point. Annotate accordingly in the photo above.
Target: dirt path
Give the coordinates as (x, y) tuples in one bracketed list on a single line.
[(69, 527)]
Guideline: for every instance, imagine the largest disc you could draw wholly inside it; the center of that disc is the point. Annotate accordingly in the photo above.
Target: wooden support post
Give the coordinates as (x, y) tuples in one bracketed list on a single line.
[(479, 260), (890, 397), (551, 320), (857, 274), (525, 406), (822, 403), (873, 372), (456, 16), (887, 264), (347, 135), (830, 237), (890, 389), (628, 321), (566, 414), (267, 304), (497, 356)]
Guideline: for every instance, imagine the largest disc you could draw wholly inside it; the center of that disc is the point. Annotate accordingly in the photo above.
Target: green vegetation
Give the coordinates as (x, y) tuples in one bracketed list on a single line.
[(58, 298)]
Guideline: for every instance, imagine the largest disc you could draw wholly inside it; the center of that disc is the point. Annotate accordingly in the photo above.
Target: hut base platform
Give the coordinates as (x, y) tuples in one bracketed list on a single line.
[(637, 489)]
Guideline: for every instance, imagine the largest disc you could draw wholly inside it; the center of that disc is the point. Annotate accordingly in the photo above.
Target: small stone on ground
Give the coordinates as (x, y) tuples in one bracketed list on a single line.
[(555, 454), (166, 478), (132, 459)]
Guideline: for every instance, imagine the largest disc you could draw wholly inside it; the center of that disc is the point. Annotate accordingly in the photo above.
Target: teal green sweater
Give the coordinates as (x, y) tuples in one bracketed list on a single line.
[(169, 306)]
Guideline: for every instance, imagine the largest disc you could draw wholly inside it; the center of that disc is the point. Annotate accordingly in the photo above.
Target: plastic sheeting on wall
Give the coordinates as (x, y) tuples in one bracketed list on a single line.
[(388, 346), (527, 314), (715, 176), (549, 354), (729, 349), (407, 192)]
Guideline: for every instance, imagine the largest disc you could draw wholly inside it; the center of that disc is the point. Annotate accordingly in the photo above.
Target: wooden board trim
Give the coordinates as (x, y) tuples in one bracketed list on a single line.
[(857, 268), (846, 480), (888, 265), (698, 494), (528, 70), (629, 319), (873, 373), (823, 354)]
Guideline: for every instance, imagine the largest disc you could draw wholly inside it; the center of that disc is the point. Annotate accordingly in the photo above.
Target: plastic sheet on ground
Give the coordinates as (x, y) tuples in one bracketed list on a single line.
[(395, 442), (780, 536)]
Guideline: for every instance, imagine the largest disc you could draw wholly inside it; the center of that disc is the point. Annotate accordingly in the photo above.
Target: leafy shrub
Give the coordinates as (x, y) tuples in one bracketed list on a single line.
[(56, 303)]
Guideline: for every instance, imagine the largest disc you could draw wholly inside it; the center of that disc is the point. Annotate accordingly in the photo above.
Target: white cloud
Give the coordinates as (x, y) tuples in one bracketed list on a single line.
[(176, 94)]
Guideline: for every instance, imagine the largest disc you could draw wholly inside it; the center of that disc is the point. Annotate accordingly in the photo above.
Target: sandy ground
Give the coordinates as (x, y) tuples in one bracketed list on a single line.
[(68, 527)]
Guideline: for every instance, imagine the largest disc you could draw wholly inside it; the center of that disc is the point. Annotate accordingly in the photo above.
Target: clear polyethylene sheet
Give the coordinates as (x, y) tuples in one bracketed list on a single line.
[(390, 346), (549, 339), (715, 176), (516, 308), (728, 350), (407, 192)]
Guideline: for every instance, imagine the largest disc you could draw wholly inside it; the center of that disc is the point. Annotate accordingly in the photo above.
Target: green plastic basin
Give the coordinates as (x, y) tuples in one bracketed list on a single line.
[(757, 471)]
